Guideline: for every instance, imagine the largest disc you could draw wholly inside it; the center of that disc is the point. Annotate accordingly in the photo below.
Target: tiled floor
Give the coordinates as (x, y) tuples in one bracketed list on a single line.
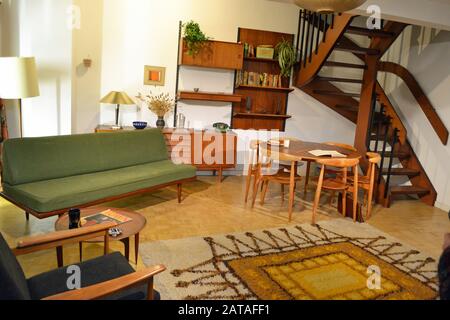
[(211, 208)]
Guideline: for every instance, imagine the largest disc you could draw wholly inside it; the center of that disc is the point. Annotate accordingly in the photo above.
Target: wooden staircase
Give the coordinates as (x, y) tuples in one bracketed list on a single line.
[(379, 128)]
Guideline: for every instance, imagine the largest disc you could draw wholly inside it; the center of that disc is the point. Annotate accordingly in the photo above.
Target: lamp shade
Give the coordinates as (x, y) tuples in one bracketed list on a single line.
[(18, 78), (117, 97), (329, 6)]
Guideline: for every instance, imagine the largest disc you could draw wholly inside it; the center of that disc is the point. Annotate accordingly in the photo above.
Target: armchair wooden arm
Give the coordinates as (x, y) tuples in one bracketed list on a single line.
[(111, 287), (59, 239)]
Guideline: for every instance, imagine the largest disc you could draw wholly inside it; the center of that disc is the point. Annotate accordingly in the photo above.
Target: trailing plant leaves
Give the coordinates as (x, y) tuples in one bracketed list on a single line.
[(194, 37)]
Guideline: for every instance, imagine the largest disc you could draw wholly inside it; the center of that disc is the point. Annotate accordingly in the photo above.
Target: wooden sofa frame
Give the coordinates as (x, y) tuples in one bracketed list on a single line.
[(44, 215)]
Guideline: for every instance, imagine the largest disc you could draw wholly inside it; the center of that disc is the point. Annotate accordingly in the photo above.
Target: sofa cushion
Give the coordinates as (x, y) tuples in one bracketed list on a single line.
[(38, 159), (13, 285), (69, 192), (93, 272)]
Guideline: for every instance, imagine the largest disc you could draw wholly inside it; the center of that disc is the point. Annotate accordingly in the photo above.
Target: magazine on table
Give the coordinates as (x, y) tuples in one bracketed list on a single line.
[(327, 153), (104, 216)]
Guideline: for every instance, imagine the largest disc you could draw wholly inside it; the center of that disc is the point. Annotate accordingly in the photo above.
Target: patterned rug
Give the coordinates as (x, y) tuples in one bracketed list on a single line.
[(335, 260)]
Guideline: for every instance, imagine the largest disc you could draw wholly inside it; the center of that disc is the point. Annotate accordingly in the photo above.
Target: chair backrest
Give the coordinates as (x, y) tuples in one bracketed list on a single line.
[(374, 160), (338, 162), (13, 284), (341, 145)]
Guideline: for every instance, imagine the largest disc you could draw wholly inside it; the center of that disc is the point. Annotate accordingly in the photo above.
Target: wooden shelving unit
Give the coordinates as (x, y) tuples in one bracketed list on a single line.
[(209, 96), (261, 115), (268, 104), (265, 88), (213, 55)]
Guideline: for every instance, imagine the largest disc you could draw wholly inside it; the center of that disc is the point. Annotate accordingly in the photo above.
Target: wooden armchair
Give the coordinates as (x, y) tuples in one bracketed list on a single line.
[(108, 277)]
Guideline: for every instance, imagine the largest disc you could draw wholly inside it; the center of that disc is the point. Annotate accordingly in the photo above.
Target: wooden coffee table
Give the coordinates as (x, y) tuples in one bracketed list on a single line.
[(129, 229)]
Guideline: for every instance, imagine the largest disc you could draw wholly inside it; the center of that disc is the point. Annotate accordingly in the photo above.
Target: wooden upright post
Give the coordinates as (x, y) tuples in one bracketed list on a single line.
[(366, 103)]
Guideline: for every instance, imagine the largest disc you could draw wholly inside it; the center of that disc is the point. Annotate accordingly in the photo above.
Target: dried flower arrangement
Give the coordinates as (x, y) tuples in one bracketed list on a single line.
[(160, 104)]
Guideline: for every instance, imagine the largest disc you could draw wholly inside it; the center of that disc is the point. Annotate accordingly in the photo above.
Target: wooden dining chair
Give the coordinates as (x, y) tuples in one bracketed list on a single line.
[(329, 170), (279, 175), (338, 184), (255, 158), (367, 182)]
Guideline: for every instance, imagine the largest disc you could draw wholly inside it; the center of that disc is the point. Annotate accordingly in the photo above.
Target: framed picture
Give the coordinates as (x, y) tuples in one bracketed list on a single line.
[(154, 76)]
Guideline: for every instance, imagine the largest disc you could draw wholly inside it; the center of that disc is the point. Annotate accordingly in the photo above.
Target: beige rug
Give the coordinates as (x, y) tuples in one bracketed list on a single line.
[(324, 262)]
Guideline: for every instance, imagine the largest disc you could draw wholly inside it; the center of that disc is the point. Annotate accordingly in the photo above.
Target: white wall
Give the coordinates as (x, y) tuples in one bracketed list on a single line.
[(86, 82), (425, 52), (148, 35), (39, 29)]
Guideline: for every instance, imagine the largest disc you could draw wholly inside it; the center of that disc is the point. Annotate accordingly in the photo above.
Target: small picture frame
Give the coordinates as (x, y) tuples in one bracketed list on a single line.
[(154, 76)]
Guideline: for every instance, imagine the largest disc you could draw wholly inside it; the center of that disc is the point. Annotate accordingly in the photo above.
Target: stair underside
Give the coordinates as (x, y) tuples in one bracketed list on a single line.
[(338, 93), (356, 49), (370, 33), (343, 80), (344, 65)]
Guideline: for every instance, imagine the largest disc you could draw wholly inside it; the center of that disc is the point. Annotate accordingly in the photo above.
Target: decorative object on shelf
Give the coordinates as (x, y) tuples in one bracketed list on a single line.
[(118, 98), (181, 121), (286, 56), (248, 104), (140, 125), (329, 6), (265, 52), (154, 76), (160, 105), (194, 37), (221, 127), (19, 80), (196, 90)]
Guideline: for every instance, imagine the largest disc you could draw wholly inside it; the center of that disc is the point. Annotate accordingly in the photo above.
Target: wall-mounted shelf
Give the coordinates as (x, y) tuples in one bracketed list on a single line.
[(284, 90), (209, 96), (254, 59), (214, 54), (267, 104), (261, 115)]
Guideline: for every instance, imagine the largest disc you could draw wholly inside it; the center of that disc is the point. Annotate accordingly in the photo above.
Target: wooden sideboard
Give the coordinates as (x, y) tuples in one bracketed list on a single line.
[(208, 150)]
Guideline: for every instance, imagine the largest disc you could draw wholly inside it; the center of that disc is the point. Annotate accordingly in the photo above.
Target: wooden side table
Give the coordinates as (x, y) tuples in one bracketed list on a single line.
[(129, 229)]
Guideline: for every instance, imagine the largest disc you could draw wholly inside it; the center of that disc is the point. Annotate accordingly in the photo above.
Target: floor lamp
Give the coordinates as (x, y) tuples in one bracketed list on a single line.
[(18, 81)]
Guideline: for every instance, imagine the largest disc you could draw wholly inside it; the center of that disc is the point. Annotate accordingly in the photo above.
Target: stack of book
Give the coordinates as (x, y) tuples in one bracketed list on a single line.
[(258, 79)]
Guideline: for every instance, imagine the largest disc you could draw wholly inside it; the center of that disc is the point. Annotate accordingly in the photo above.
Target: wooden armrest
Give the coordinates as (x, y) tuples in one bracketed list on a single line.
[(108, 288), (61, 238)]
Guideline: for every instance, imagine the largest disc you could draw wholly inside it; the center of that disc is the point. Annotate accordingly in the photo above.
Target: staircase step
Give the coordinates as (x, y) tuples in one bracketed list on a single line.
[(356, 49), (399, 155), (403, 172), (345, 80), (344, 65), (338, 93), (370, 33), (407, 190)]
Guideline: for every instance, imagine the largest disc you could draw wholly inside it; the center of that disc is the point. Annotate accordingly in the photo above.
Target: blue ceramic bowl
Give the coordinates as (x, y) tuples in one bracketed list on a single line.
[(139, 125)]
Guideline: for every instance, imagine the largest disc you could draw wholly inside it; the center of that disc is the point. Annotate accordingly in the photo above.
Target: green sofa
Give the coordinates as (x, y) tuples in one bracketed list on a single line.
[(48, 176)]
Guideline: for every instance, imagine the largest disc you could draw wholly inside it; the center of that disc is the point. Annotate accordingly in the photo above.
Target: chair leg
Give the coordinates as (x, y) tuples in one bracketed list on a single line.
[(282, 193), (308, 172), (355, 197), (332, 196), (255, 191), (264, 193), (247, 186), (292, 190), (27, 216), (317, 197)]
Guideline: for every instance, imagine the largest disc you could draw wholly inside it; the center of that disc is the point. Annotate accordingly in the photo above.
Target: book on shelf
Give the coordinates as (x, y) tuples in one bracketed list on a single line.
[(104, 216)]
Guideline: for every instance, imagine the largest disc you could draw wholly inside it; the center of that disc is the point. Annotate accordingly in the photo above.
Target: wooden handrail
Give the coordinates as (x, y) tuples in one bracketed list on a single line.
[(418, 93), (307, 74)]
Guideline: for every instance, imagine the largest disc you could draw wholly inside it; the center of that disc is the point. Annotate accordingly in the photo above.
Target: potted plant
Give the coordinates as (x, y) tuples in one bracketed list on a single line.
[(160, 105), (194, 37), (286, 56)]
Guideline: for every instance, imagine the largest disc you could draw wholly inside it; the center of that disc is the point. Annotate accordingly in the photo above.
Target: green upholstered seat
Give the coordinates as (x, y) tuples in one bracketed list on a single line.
[(55, 173), (51, 195)]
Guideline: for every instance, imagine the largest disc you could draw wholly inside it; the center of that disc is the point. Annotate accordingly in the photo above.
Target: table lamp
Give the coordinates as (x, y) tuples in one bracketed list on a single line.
[(117, 98), (18, 80)]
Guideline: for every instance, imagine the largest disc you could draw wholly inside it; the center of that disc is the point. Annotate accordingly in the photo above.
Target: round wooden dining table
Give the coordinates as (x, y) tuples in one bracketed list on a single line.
[(299, 151)]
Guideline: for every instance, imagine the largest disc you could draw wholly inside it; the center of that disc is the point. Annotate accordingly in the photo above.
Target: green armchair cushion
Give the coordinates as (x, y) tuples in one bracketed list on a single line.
[(67, 192), (39, 159)]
